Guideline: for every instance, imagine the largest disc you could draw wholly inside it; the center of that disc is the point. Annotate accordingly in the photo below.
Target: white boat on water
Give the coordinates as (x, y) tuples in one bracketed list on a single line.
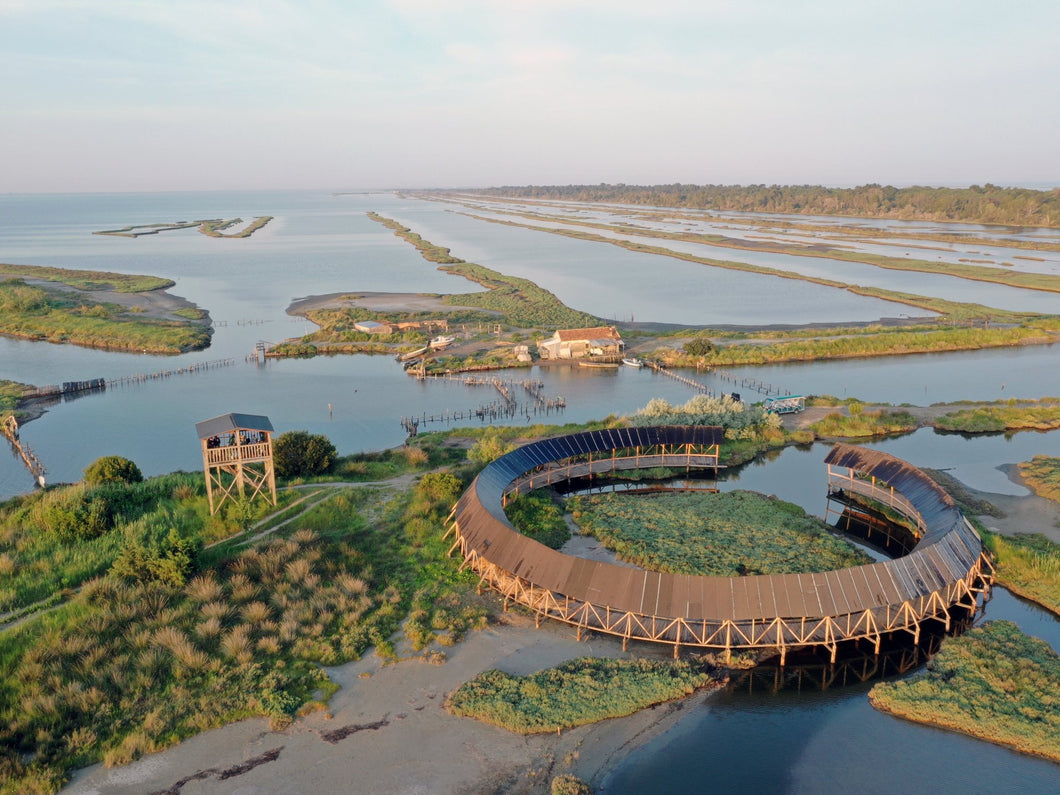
[(633, 362)]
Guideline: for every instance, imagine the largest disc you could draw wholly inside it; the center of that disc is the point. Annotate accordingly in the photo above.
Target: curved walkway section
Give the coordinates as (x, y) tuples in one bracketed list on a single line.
[(947, 567)]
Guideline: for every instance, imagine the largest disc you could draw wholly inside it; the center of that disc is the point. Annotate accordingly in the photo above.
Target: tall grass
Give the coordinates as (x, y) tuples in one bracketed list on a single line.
[(728, 534), (996, 419), (993, 682), (1029, 565), (1042, 475), (575, 693)]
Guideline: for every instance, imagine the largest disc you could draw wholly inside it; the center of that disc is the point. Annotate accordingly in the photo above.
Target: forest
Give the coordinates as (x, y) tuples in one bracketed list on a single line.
[(984, 204)]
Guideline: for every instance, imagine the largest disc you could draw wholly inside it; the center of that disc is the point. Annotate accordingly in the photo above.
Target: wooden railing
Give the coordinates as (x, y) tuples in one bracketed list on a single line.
[(235, 452)]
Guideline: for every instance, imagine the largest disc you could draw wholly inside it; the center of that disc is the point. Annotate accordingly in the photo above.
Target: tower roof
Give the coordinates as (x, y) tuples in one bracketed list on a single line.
[(233, 421)]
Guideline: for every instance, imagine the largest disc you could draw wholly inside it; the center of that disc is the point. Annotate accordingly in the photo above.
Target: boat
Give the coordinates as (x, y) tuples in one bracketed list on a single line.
[(633, 362), (608, 365), (438, 343)]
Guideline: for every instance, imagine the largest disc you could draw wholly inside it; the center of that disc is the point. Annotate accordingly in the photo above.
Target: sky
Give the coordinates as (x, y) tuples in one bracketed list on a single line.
[(136, 95)]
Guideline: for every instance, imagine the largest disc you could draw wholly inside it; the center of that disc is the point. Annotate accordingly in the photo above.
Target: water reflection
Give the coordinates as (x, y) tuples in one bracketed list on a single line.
[(805, 739)]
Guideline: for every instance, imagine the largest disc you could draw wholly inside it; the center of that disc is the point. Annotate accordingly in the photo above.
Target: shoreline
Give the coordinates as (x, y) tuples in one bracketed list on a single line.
[(383, 710)]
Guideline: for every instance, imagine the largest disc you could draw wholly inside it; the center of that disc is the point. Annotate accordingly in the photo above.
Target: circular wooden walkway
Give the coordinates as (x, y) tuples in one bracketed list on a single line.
[(946, 568)]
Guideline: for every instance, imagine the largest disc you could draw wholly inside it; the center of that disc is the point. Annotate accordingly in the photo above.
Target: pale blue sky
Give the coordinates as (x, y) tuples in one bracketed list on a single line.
[(108, 95)]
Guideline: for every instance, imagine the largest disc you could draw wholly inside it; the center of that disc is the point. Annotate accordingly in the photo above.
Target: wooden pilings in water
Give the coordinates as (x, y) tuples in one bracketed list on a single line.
[(508, 407), (762, 387), (9, 428), (686, 381), (198, 367)]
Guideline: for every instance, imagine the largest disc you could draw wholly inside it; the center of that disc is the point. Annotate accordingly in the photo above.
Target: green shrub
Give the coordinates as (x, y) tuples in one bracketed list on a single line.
[(298, 453), (700, 346), (112, 469), (569, 785), (489, 448), (536, 516)]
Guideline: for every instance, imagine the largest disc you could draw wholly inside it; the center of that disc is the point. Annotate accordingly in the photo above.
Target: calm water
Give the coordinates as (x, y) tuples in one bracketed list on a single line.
[(831, 741)]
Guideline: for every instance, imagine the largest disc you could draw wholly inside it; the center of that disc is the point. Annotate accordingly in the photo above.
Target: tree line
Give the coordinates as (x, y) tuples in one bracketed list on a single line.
[(987, 204)]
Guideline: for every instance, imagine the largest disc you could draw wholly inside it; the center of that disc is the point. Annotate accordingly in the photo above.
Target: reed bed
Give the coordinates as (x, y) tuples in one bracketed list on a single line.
[(728, 534), (578, 692), (993, 682)]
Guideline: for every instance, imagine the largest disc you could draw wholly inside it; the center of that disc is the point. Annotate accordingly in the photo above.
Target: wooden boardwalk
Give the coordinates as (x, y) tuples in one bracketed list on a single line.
[(947, 568)]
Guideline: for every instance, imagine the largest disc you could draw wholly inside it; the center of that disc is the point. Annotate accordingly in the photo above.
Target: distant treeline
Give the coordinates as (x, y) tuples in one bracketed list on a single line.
[(987, 204)]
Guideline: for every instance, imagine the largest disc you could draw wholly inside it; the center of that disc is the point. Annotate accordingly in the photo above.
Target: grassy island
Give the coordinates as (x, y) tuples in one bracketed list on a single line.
[(575, 693), (1044, 415), (726, 535), (98, 310), (994, 683), (1042, 475)]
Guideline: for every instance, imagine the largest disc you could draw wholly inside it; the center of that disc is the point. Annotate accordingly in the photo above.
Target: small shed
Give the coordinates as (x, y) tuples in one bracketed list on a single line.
[(373, 327), (237, 457)]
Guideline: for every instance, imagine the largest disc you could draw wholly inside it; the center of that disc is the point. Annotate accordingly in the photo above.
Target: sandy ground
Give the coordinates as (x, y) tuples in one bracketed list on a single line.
[(376, 302), (388, 732), (159, 304)]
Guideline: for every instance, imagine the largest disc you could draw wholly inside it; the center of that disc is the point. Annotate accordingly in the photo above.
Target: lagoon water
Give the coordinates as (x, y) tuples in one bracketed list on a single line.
[(321, 243)]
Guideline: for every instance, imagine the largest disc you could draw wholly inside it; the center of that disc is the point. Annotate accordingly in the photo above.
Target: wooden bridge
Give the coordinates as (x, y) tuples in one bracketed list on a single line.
[(946, 569)]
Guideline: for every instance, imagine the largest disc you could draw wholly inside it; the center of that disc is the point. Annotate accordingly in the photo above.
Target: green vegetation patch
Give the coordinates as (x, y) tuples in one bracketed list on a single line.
[(138, 659), (88, 280), (996, 419), (727, 534), (10, 394), (1028, 564), (37, 313), (537, 516), (1042, 475), (859, 423), (519, 301), (993, 682), (575, 693), (65, 535)]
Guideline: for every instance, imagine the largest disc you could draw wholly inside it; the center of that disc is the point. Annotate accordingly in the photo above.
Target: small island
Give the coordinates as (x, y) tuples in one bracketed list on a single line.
[(96, 309)]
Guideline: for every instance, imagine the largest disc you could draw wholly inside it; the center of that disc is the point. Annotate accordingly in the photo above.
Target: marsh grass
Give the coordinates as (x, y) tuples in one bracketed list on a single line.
[(996, 419), (728, 534), (537, 516), (1042, 475), (168, 664), (575, 693), (49, 314), (864, 424), (993, 682), (1029, 565)]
